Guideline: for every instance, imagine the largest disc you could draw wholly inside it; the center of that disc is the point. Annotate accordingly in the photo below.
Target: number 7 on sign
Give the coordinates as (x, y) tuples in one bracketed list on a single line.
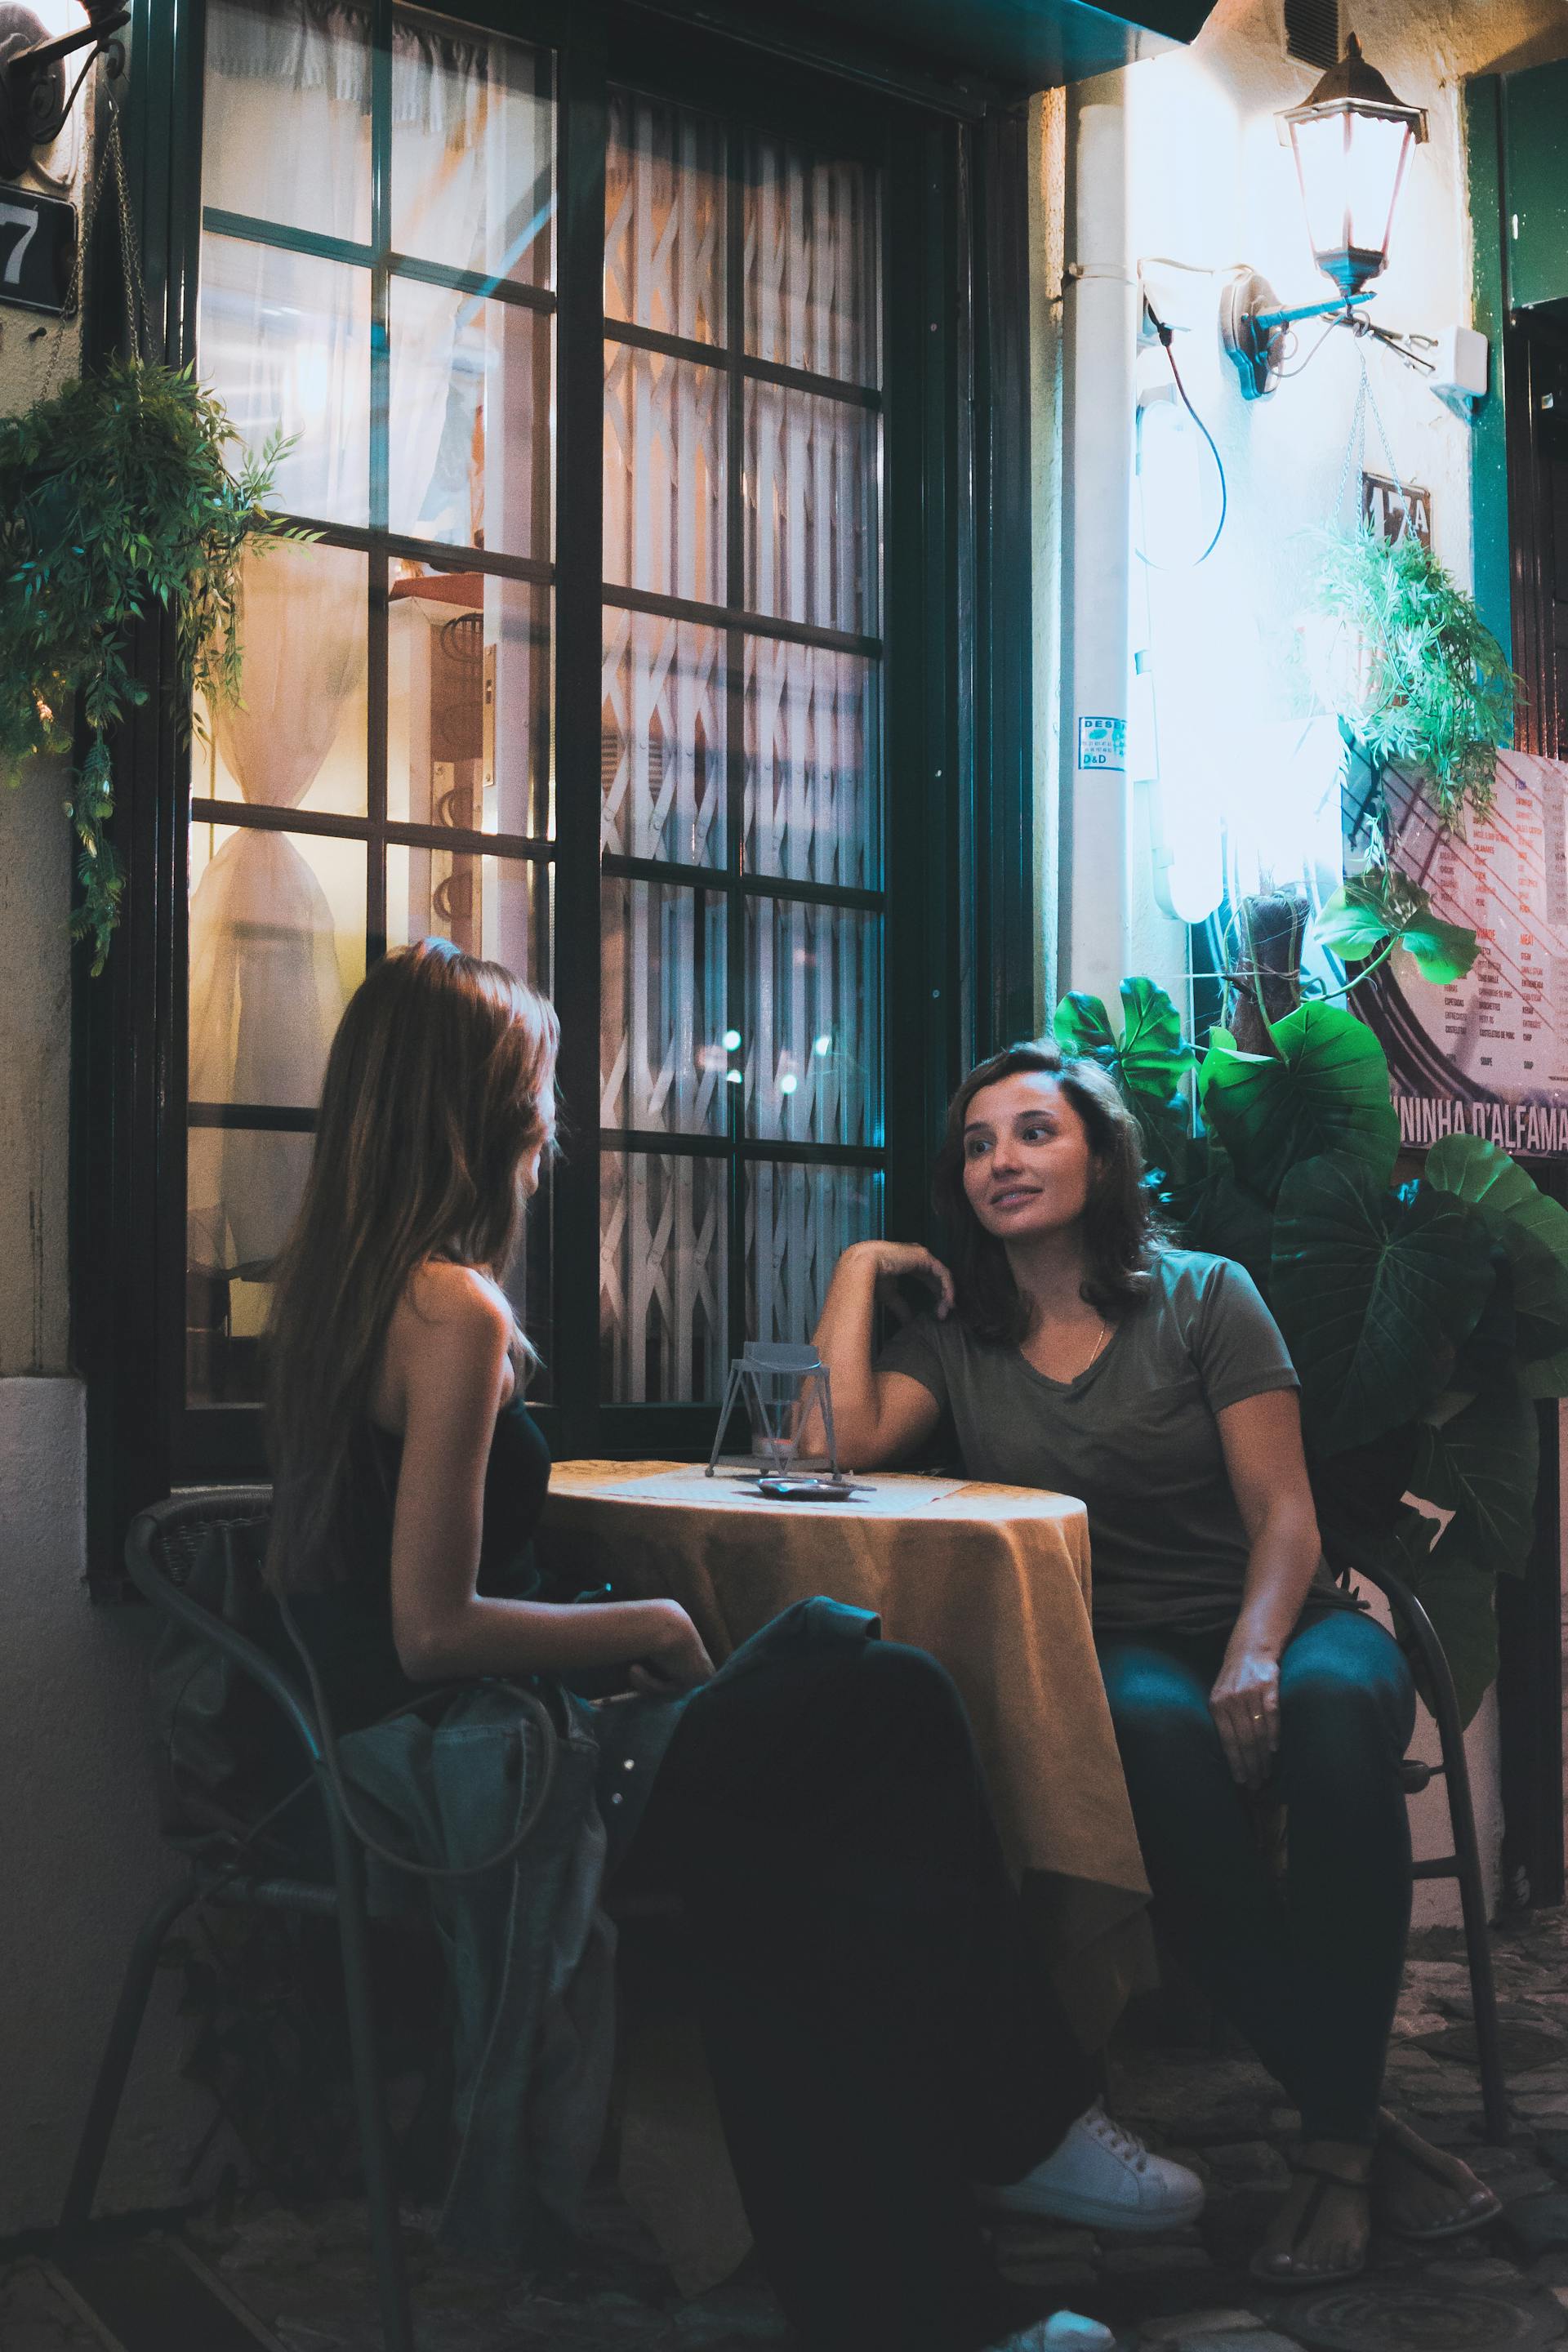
[(23, 217)]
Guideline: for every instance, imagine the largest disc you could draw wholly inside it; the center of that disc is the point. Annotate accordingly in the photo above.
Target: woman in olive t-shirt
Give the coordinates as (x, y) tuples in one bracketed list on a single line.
[(1070, 1348)]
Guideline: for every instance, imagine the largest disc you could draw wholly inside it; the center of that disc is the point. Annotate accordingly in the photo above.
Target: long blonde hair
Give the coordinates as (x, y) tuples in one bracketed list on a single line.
[(438, 1089)]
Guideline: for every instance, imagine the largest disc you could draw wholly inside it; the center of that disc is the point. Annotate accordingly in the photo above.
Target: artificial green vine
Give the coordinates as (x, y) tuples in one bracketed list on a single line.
[(117, 500), (1436, 693)]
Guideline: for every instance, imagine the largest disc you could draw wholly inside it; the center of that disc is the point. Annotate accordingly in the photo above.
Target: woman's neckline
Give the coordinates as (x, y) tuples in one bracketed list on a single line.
[(1095, 1364)]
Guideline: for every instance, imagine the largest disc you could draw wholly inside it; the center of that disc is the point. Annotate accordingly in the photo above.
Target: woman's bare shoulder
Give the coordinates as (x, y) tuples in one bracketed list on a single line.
[(459, 1298)]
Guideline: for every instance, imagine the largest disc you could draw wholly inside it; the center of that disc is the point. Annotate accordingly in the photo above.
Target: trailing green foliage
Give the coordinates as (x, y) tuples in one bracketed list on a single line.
[(1423, 1319), (1382, 910), (117, 502), (1433, 690)]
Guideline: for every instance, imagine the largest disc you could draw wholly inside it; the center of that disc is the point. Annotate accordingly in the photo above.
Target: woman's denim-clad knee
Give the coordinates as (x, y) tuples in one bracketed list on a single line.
[(1310, 1973)]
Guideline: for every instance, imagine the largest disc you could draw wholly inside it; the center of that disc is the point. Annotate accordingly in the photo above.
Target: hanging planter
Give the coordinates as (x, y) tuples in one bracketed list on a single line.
[(1399, 652), (117, 500)]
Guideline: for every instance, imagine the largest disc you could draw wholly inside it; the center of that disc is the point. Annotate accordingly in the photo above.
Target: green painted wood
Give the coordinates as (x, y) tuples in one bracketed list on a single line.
[(1484, 120), (1015, 45), (1536, 184)]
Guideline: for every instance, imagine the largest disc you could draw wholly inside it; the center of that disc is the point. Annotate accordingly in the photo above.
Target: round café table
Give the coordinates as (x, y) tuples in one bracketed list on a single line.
[(994, 1581)]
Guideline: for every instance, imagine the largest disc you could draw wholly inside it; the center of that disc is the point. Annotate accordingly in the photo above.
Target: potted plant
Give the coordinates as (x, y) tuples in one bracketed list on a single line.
[(1421, 690), (117, 500), (1425, 1319)]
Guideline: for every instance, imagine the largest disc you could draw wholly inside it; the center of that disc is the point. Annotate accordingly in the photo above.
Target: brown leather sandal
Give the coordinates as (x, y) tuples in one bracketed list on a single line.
[(1322, 2181), (1413, 2149)]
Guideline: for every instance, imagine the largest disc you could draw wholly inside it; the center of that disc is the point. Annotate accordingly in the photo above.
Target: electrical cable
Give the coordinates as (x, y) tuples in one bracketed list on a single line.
[(1288, 376), (1167, 336)]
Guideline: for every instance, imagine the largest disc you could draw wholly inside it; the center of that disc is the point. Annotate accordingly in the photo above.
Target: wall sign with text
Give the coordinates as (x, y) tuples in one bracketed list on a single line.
[(1488, 1055), (37, 249)]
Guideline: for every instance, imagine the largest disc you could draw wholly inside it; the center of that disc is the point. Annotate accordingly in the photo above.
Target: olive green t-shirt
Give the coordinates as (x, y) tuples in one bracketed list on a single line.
[(1134, 1437)]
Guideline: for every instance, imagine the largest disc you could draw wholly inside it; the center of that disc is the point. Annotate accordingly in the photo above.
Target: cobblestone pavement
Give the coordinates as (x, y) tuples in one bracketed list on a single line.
[(306, 2275)]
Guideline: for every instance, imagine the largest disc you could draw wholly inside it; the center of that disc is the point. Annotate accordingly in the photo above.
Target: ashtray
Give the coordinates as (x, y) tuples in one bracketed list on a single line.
[(807, 1490)]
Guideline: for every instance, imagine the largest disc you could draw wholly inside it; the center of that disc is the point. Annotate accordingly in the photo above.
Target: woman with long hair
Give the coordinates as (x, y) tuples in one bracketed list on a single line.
[(881, 2035), (1071, 1346)]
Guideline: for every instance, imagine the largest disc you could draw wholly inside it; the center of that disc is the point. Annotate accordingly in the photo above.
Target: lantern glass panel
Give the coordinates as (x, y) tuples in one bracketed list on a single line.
[(1375, 165)]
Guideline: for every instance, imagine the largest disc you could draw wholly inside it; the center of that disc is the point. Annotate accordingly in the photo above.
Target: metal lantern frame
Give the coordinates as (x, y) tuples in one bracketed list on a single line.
[(1351, 92), (777, 1361)]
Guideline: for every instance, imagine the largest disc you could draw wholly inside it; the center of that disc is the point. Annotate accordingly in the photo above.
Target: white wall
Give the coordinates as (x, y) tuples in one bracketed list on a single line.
[(1208, 185), (80, 1859)]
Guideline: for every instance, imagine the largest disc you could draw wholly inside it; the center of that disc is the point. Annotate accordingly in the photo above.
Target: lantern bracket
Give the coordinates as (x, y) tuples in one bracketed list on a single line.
[(1252, 328), (33, 100)]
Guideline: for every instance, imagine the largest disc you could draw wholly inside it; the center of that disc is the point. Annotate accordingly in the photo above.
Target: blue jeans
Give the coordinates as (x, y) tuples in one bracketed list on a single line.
[(1309, 1974)]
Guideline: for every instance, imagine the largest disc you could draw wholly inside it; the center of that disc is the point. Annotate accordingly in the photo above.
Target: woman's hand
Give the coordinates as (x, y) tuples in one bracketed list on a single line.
[(889, 1261), (675, 1659), (1245, 1704)]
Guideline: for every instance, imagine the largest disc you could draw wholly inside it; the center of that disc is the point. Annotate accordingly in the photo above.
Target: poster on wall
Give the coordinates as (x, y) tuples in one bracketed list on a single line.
[(1488, 1055)]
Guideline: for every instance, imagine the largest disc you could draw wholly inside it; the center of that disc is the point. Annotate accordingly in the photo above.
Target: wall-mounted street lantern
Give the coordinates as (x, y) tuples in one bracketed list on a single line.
[(1351, 142), (33, 99)]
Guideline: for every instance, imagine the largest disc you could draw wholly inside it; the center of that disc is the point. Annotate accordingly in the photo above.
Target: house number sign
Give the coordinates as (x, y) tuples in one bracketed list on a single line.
[(37, 249)]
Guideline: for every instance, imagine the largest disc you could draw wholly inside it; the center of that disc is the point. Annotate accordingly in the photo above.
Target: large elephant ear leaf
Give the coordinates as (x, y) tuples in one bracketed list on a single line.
[(1149, 1057), (1153, 1057), (1326, 1092), (1461, 1598), (1373, 1296), (1531, 1228), (1082, 1025), (1482, 1465)]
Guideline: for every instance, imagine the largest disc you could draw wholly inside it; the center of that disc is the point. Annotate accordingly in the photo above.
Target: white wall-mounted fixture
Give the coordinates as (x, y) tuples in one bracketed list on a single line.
[(1351, 142)]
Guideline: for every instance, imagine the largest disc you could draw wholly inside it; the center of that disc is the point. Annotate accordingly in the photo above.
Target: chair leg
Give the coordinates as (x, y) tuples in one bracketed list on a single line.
[(115, 2065), (1467, 1858), (375, 2141)]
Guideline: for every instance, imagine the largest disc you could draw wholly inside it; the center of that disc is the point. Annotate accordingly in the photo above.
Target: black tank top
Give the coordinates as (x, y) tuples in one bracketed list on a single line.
[(348, 1625)]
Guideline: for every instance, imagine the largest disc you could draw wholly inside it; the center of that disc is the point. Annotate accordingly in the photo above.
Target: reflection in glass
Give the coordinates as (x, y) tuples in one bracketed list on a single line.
[(467, 727), (814, 769), (811, 276), (662, 1060), (234, 1234), (799, 1222), (664, 218), (472, 149), (285, 114), (814, 1044), (469, 424), (664, 475), (492, 907), (661, 743), (811, 551), (662, 1252), (285, 342), (297, 737), (277, 946)]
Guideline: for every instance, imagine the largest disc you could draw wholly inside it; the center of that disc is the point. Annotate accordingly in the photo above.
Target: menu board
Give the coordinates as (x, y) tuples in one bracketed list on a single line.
[(1488, 1055)]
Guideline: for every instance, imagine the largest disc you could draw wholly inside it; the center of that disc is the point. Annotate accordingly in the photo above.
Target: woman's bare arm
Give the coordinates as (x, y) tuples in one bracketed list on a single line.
[(446, 1375), (1261, 1437), (877, 1416)]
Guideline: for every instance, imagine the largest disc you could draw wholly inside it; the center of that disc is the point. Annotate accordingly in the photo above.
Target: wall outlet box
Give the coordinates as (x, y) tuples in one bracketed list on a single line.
[(1459, 369)]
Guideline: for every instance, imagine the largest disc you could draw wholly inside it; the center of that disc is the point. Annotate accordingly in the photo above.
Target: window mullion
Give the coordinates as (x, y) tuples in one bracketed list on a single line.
[(735, 726)]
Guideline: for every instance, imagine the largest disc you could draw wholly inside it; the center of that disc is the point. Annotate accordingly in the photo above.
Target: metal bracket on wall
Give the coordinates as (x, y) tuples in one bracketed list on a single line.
[(33, 100)]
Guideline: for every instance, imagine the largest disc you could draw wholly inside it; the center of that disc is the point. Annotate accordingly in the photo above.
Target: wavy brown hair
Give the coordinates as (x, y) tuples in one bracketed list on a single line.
[(1120, 1231), (439, 1084)]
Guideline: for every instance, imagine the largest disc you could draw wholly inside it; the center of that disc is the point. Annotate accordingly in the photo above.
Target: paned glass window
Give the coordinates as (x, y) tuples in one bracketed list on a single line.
[(378, 286), (741, 1011)]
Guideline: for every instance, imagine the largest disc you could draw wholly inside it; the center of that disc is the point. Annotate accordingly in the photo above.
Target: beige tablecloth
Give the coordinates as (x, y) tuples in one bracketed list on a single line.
[(993, 1581)]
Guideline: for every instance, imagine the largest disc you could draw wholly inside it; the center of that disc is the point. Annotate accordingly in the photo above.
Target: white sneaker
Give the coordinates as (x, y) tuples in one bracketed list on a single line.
[(1064, 2331), (1104, 2179)]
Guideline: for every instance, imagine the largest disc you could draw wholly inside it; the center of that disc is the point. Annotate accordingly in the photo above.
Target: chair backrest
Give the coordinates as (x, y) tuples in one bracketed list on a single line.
[(220, 1676)]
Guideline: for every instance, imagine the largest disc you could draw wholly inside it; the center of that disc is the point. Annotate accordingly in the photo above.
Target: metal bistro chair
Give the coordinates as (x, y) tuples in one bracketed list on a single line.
[(161, 1551), (1464, 1862)]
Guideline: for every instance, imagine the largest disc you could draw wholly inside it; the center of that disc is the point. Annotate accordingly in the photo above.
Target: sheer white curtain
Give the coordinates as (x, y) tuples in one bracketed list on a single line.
[(285, 338)]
